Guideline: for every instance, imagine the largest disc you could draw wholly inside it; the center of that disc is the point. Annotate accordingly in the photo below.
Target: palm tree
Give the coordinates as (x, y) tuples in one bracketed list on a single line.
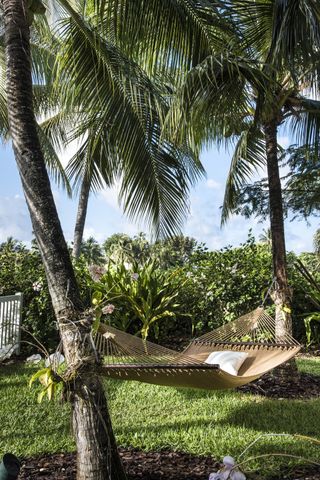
[(89, 400), (316, 241), (243, 96), (97, 456), (266, 237), (92, 252), (123, 146)]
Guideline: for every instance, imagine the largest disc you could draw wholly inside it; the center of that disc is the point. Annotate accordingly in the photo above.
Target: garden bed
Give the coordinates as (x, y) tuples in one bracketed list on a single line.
[(139, 465)]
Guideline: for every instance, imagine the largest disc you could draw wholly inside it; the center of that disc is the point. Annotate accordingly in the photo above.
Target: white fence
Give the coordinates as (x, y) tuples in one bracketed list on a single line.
[(10, 324)]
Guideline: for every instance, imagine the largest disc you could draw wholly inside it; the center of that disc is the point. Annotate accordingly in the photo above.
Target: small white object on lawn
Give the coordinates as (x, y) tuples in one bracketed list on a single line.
[(55, 359), (228, 472), (36, 358)]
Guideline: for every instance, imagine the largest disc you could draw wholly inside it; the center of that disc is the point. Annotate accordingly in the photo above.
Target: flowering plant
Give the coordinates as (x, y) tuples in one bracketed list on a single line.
[(228, 471)]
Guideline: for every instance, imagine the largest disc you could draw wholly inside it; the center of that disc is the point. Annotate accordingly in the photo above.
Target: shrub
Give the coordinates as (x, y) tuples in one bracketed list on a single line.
[(142, 293)]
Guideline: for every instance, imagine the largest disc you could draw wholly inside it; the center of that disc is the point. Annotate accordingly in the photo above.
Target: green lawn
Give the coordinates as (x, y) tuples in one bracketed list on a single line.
[(154, 418)]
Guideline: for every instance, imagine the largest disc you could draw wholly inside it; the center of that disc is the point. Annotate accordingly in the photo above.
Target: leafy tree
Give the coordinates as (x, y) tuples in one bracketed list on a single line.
[(176, 251), (121, 247), (300, 187), (242, 96)]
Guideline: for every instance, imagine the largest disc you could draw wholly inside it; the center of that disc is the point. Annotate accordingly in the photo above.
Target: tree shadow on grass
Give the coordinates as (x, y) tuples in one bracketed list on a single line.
[(274, 416), (278, 416)]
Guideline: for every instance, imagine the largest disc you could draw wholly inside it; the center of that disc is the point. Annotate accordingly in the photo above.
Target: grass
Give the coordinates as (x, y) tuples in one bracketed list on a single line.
[(156, 418)]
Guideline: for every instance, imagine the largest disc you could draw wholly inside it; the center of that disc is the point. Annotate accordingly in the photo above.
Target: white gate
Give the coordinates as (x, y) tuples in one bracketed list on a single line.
[(10, 324)]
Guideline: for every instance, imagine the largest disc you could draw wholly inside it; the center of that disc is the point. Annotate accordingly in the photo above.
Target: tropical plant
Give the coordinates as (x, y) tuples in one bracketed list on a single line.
[(176, 251), (312, 319), (242, 96), (225, 284), (142, 294), (132, 148), (121, 247)]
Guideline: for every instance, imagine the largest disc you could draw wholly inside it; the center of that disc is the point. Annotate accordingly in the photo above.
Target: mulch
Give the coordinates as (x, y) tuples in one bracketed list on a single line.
[(165, 465), (305, 387), (168, 465)]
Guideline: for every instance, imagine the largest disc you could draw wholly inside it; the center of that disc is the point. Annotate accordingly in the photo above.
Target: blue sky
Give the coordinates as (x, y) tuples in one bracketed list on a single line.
[(105, 216)]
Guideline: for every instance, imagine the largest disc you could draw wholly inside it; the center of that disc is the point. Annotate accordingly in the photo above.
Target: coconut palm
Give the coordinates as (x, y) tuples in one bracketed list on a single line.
[(121, 132), (96, 448), (121, 146), (243, 96), (316, 241)]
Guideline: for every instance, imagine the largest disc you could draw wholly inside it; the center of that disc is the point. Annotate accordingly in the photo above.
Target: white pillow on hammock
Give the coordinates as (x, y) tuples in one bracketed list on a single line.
[(227, 360)]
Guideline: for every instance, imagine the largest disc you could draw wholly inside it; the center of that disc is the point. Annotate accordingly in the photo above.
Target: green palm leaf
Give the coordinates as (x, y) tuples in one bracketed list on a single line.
[(248, 157), (117, 101), (173, 35)]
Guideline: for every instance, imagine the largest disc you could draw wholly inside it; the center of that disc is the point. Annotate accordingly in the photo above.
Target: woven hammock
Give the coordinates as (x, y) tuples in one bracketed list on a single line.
[(127, 357)]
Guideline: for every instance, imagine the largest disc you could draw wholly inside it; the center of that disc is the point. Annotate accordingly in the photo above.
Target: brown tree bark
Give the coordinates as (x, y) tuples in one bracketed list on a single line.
[(96, 449), (81, 217), (282, 293)]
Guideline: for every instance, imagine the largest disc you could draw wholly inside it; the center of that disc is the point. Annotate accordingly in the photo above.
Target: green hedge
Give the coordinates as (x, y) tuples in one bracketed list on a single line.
[(214, 287)]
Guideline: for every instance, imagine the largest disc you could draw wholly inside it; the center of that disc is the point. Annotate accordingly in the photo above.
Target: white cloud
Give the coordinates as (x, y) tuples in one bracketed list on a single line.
[(284, 141), (14, 219), (212, 184), (110, 196), (92, 232)]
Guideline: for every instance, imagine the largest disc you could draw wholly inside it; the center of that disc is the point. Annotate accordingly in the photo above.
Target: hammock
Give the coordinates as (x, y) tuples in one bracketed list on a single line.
[(127, 357)]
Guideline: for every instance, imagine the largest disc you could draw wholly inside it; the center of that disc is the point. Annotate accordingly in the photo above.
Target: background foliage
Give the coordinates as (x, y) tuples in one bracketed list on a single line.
[(192, 290)]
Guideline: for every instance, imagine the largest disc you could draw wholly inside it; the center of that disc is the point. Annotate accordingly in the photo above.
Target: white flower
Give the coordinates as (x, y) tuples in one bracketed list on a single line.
[(135, 276), (220, 475), (96, 272), (229, 471), (37, 286), (237, 475), (215, 476), (228, 461), (108, 309)]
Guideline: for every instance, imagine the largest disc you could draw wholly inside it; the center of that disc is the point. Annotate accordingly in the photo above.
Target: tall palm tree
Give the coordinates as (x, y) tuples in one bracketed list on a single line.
[(97, 456), (243, 96), (316, 241), (117, 109), (123, 108)]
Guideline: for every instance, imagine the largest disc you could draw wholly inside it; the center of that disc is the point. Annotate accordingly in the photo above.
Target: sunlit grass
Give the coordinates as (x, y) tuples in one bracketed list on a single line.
[(154, 418)]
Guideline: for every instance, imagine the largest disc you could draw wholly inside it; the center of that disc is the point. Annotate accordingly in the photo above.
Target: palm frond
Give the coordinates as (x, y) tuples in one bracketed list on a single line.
[(120, 111), (215, 102), (296, 30), (174, 34), (53, 164), (283, 32), (305, 123), (248, 157)]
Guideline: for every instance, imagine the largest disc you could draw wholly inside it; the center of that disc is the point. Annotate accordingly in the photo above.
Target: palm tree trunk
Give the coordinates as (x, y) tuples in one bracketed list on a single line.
[(81, 217), (282, 292), (97, 454)]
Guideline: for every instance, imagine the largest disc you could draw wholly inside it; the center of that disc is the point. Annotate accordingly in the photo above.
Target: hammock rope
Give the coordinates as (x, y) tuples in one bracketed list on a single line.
[(128, 357)]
